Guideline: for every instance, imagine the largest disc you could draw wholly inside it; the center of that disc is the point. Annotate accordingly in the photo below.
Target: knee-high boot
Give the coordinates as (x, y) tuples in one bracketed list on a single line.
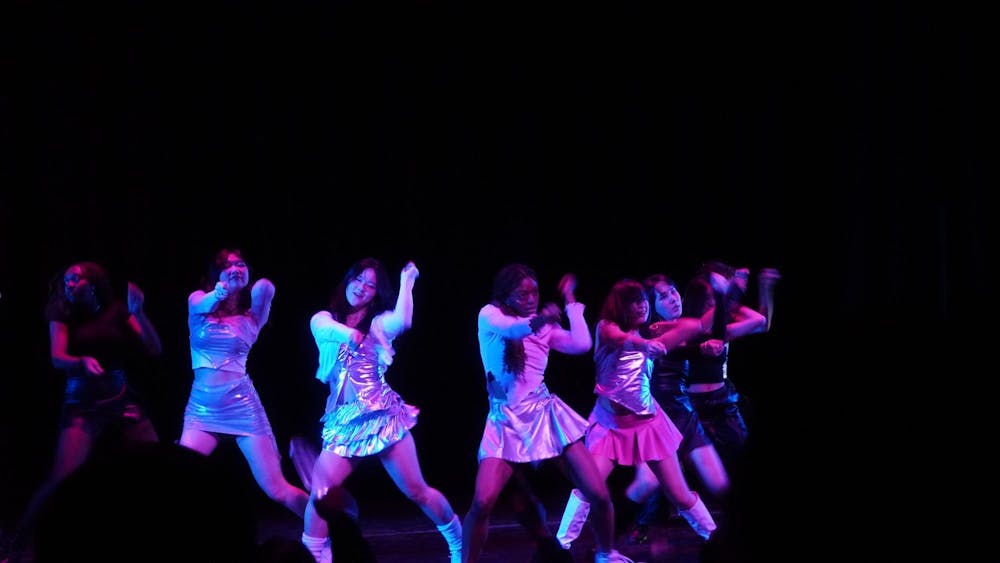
[(699, 518), (573, 519)]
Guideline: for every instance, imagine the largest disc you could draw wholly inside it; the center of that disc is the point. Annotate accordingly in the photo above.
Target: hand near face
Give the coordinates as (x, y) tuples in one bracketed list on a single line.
[(355, 339), (551, 313), (221, 290)]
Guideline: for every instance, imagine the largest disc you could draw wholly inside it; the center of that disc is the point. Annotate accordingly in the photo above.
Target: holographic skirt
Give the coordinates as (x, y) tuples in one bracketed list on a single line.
[(232, 407), (538, 428), (630, 439), (355, 430)]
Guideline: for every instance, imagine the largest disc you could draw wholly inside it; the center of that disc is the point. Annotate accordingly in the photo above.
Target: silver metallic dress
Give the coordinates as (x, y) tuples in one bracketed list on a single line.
[(363, 414)]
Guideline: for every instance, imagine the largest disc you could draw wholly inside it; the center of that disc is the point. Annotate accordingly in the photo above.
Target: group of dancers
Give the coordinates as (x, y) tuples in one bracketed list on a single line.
[(664, 402)]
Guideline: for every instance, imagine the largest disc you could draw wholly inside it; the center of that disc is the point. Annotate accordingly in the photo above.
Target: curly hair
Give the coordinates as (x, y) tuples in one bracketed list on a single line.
[(60, 307)]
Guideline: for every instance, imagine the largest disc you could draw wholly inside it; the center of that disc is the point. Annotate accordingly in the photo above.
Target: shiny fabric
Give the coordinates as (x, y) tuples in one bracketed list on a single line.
[(363, 414), (667, 387), (222, 343), (91, 403), (623, 377), (720, 416), (627, 424), (232, 407), (536, 428), (93, 390), (631, 438)]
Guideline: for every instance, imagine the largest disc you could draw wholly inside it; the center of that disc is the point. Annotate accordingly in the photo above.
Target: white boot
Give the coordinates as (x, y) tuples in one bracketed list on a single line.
[(318, 547), (699, 518), (611, 557), (573, 519), (452, 532)]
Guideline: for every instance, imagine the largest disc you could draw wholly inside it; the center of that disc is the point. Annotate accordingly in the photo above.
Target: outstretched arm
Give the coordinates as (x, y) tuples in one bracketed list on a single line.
[(611, 333), (679, 331)]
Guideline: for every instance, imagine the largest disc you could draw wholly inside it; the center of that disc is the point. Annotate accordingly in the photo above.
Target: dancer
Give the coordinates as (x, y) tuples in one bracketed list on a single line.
[(628, 425), (717, 397), (666, 386), (225, 317), (364, 417), (712, 392), (526, 423), (95, 337)]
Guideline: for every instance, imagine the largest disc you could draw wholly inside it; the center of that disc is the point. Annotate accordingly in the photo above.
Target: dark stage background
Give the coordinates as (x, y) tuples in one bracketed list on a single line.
[(842, 147)]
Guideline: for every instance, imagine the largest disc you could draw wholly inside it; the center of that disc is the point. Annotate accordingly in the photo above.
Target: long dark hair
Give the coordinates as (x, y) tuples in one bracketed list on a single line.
[(384, 294), (505, 283), (697, 294), (218, 265)]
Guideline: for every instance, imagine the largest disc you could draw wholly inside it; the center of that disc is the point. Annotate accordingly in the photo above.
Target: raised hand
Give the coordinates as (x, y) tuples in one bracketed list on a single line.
[(549, 314), (221, 290), (135, 299), (768, 277), (567, 287), (410, 273)]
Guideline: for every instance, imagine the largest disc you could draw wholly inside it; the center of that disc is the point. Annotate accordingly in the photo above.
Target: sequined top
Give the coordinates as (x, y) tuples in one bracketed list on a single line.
[(622, 376), (358, 375), (222, 343), (495, 328)]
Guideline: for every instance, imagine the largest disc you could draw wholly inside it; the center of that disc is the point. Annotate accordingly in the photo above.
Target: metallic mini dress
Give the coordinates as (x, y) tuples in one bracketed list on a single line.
[(363, 414)]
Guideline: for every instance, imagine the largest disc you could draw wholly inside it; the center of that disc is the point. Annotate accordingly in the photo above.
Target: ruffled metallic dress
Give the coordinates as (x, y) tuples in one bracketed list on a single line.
[(363, 414)]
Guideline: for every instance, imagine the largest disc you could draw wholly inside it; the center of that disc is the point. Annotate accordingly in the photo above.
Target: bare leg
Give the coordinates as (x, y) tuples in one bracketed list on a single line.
[(199, 441), (262, 454), (72, 450), (400, 461), (491, 477), (708, 465)]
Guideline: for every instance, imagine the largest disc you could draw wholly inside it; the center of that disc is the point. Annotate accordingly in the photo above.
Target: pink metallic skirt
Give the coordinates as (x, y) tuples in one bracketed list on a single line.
[(538, 428), (630, 439)]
